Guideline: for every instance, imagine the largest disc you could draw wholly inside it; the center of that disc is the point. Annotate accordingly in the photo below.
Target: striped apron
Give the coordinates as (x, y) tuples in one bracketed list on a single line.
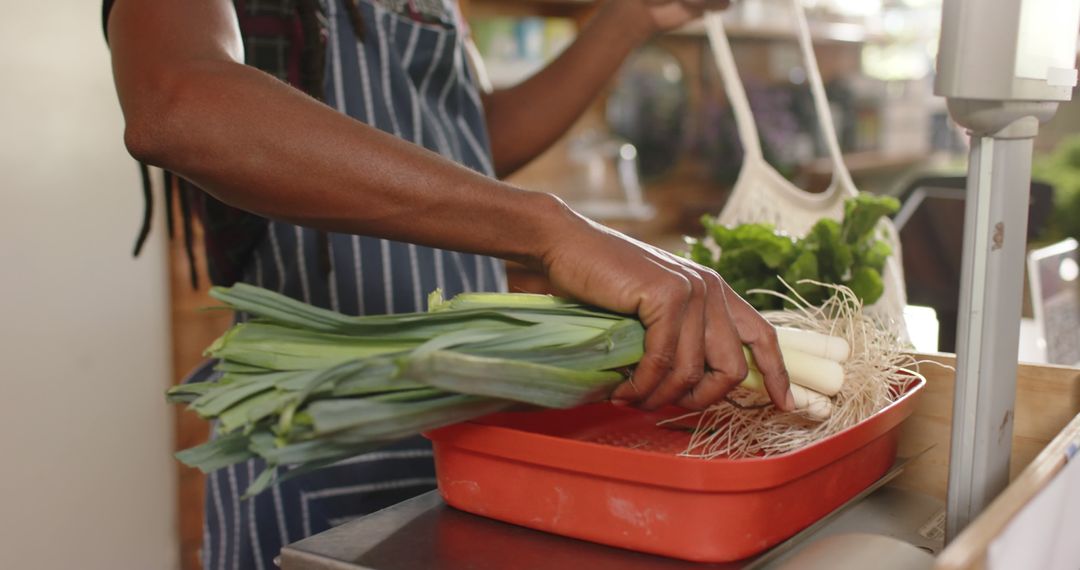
[(409, 78)]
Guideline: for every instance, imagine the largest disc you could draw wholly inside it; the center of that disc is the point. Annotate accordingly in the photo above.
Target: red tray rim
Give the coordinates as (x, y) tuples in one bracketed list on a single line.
[(666, 470)]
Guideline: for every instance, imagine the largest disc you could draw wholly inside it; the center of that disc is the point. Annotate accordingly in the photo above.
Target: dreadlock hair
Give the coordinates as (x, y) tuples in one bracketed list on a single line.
[(232, 234)]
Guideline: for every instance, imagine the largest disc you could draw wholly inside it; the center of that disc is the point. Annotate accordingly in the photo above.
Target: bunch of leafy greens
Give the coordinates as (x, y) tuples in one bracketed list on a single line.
[(756, 256)]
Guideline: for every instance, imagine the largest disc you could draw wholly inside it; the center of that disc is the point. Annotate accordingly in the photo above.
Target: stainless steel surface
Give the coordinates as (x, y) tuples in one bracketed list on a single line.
[(879, 509), (858, 551), (425, 533)]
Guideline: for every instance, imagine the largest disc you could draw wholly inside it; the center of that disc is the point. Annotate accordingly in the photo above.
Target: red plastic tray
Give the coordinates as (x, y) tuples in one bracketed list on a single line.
[(609, 475)]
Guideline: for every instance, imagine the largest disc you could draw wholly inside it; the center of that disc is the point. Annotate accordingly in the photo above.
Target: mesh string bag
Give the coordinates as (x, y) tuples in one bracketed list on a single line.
[(762, 195)]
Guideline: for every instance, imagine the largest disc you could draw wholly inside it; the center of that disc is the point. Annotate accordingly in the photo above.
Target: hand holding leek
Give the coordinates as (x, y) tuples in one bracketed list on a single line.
[(696, 326)]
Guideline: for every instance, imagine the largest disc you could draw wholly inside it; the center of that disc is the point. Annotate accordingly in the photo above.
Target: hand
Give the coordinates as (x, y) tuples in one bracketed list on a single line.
[(695, 325), (656, 16)]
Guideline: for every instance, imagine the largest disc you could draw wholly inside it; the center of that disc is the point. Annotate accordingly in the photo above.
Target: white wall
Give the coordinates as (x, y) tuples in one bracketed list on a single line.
[(86, 476)]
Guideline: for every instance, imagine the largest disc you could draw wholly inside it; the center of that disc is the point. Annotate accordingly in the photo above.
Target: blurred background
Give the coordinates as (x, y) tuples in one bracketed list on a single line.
[(91, 338), (86, 476)]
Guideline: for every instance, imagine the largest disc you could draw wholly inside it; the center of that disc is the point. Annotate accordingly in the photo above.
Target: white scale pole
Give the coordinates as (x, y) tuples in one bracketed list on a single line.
[(1003, 66)]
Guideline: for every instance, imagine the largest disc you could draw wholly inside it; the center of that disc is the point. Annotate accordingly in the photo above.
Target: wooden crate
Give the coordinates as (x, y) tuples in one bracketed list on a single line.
[(1047, 399), (1047, 420)]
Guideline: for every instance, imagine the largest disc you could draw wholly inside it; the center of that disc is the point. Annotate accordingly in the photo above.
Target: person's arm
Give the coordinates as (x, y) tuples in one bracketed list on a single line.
[(192, 107), (524, 120)]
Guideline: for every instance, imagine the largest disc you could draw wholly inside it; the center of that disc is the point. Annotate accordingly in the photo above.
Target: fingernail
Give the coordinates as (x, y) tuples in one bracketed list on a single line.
[(789, 401), (620, 402)]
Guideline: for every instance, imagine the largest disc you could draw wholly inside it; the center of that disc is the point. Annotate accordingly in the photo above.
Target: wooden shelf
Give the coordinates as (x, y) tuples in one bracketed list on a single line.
[(821, 32), (578, 10), (865, 162)]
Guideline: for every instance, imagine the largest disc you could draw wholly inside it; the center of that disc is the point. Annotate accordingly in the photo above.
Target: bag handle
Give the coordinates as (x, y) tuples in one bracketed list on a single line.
[(744, 117), (841, 175), (733, 86)]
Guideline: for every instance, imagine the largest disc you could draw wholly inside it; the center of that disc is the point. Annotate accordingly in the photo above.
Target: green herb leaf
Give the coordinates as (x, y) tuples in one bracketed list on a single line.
[(867, 284), (862, 213)]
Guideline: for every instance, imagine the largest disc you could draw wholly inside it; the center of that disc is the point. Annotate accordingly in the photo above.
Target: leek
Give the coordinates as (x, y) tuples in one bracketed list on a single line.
[(307, 387)]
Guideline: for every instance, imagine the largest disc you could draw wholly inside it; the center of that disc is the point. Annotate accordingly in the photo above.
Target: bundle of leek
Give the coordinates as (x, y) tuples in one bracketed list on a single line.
[(306, 387)]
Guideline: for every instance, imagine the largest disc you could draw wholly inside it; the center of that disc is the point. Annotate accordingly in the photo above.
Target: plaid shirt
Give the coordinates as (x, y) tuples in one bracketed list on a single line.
[(286, 39), (274, 30)]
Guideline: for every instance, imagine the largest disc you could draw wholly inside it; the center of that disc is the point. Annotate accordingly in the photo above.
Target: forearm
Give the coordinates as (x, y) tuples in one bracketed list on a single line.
[(312, 166), (526, 119)]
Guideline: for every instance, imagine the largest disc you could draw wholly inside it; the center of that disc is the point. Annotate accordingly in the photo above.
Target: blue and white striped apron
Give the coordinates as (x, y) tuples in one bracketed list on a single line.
[(410, 79)]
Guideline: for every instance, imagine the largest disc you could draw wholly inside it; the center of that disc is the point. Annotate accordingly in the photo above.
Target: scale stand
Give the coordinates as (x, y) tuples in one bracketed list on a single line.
[(1003, 68)]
